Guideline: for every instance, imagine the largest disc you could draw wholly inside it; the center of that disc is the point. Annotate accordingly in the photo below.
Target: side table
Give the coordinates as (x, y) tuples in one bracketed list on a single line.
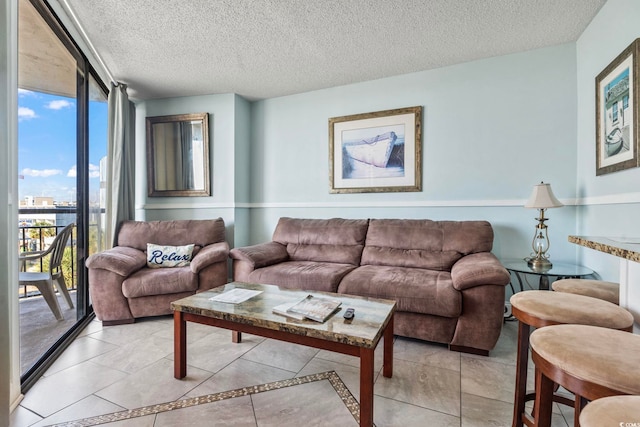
[(559, 270)]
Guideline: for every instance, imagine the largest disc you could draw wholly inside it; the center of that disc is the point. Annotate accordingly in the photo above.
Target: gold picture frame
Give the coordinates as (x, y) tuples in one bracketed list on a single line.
[(617, 118), (376, 152)]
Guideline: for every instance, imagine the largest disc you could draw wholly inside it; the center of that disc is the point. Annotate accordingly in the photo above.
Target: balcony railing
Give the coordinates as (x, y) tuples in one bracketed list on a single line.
[(35, 236)]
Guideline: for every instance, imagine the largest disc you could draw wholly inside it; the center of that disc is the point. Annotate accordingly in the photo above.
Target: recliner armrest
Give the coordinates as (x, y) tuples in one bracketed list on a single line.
[(208, 255), (121, 260), (478, 269), (261, 255)]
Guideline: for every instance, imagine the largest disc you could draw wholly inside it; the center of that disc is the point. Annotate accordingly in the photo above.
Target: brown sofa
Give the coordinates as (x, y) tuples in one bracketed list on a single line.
[(448, 286), (123, 288)]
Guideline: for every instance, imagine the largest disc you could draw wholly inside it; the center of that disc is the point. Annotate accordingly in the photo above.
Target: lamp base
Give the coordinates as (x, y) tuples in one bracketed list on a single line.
[(539, 263)]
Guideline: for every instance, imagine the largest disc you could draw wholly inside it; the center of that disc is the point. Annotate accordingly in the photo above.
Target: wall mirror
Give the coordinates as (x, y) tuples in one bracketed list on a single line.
[(178, 155)]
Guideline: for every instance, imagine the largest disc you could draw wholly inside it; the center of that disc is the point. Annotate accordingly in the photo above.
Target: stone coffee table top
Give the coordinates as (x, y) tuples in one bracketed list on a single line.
[(364, 330)]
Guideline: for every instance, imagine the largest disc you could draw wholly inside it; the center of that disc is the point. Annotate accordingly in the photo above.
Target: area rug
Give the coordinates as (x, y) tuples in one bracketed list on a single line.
[(342, 391)]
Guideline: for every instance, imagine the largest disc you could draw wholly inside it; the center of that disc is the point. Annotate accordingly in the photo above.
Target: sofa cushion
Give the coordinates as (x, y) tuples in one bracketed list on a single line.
[(415, 290), (323, 240), (260, 255), (202, 232), (434, 245), (308, 275), (166, 256), (159, 281)]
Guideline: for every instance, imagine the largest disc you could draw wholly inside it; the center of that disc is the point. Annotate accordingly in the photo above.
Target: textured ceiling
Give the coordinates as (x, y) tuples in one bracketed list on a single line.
[(268, 48)]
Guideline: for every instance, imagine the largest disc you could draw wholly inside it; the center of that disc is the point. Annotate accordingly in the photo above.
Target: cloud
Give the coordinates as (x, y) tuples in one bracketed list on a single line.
[(94, 171), (25, 92), (43, 173), (25, 113), (59, 104)]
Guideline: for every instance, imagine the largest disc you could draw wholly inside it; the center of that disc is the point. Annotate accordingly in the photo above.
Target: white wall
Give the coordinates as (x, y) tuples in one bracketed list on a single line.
[(611, 201), (485, 124), (491, 130), (221, 111), (228, 140), (242, 173)]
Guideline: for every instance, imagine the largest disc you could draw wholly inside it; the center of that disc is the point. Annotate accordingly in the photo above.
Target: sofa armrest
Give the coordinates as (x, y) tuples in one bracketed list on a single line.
[(261, 255), (208, 255), (478, 269), (120, 260)]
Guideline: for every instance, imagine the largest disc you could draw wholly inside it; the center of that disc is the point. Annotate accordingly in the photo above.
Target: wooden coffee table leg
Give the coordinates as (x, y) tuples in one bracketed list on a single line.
[(179, 345), (366, 387), (387, 369)]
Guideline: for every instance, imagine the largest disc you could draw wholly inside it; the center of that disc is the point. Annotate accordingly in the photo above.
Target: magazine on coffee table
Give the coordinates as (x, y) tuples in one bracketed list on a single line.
[(235, 296), (283, 310), (314, 308)]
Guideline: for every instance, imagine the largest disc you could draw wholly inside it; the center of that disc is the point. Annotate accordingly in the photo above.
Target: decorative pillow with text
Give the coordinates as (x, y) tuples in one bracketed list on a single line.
[(168, 256)]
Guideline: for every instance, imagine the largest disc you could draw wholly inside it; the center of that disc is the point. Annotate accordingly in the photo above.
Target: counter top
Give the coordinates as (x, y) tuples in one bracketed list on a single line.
[(623, 247)]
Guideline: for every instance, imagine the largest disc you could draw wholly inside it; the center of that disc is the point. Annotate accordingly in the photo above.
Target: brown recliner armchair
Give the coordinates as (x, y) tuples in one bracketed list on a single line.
[(123, 288)]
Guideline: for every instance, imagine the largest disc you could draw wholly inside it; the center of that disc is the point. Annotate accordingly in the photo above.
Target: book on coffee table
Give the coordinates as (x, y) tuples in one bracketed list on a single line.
[(314, 308), (283, 310)]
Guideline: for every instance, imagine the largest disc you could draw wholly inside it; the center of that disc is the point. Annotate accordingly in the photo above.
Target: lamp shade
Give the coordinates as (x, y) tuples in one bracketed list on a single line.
[(542, 198)]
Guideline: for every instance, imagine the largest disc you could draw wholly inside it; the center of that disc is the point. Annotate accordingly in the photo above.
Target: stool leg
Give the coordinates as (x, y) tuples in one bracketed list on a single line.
[(544, 400), (577, 409), (522, 359)]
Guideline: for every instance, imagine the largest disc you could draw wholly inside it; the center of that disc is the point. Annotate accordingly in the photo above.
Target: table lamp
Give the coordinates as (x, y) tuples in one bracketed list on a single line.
[(541, 198)]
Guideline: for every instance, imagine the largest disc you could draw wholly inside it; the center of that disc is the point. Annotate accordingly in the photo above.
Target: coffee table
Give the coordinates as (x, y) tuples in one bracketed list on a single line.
[(357, 337)]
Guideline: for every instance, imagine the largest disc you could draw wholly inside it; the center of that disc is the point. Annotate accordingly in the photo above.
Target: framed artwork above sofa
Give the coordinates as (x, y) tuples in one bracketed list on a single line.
[(376, 152)]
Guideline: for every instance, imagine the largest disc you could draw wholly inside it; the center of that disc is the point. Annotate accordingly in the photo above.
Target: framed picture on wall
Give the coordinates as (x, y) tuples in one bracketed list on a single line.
[(617, 118), (376, 152)]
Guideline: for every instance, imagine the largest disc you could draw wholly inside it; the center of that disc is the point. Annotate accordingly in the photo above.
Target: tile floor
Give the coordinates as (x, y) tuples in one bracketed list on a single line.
[(116, 368)]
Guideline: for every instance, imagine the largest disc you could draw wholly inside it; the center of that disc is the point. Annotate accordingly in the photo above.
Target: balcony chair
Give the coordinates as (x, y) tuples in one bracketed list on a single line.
[(44, 280)]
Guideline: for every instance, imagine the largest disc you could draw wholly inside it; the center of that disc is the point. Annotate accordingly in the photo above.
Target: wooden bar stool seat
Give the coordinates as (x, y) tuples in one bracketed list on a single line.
[(538, 309), (612, 411), (589, 361), (608, 291)]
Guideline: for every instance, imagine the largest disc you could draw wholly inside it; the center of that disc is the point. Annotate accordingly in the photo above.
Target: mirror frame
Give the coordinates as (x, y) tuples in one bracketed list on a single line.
[(151, 155)]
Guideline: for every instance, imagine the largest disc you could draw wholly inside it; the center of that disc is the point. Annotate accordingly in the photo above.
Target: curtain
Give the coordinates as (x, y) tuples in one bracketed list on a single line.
[(120, 161)]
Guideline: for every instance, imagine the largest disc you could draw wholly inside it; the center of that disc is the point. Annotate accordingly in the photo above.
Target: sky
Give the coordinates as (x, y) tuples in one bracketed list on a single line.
[(47, 145)]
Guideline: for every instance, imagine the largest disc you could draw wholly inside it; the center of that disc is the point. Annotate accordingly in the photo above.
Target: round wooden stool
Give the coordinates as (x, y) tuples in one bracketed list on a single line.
[(543, 308), (589, 361), (612, 411), (608, 291)]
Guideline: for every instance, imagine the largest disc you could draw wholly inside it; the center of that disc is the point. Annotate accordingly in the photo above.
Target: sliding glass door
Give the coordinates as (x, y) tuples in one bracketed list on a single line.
[(62, 141)]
